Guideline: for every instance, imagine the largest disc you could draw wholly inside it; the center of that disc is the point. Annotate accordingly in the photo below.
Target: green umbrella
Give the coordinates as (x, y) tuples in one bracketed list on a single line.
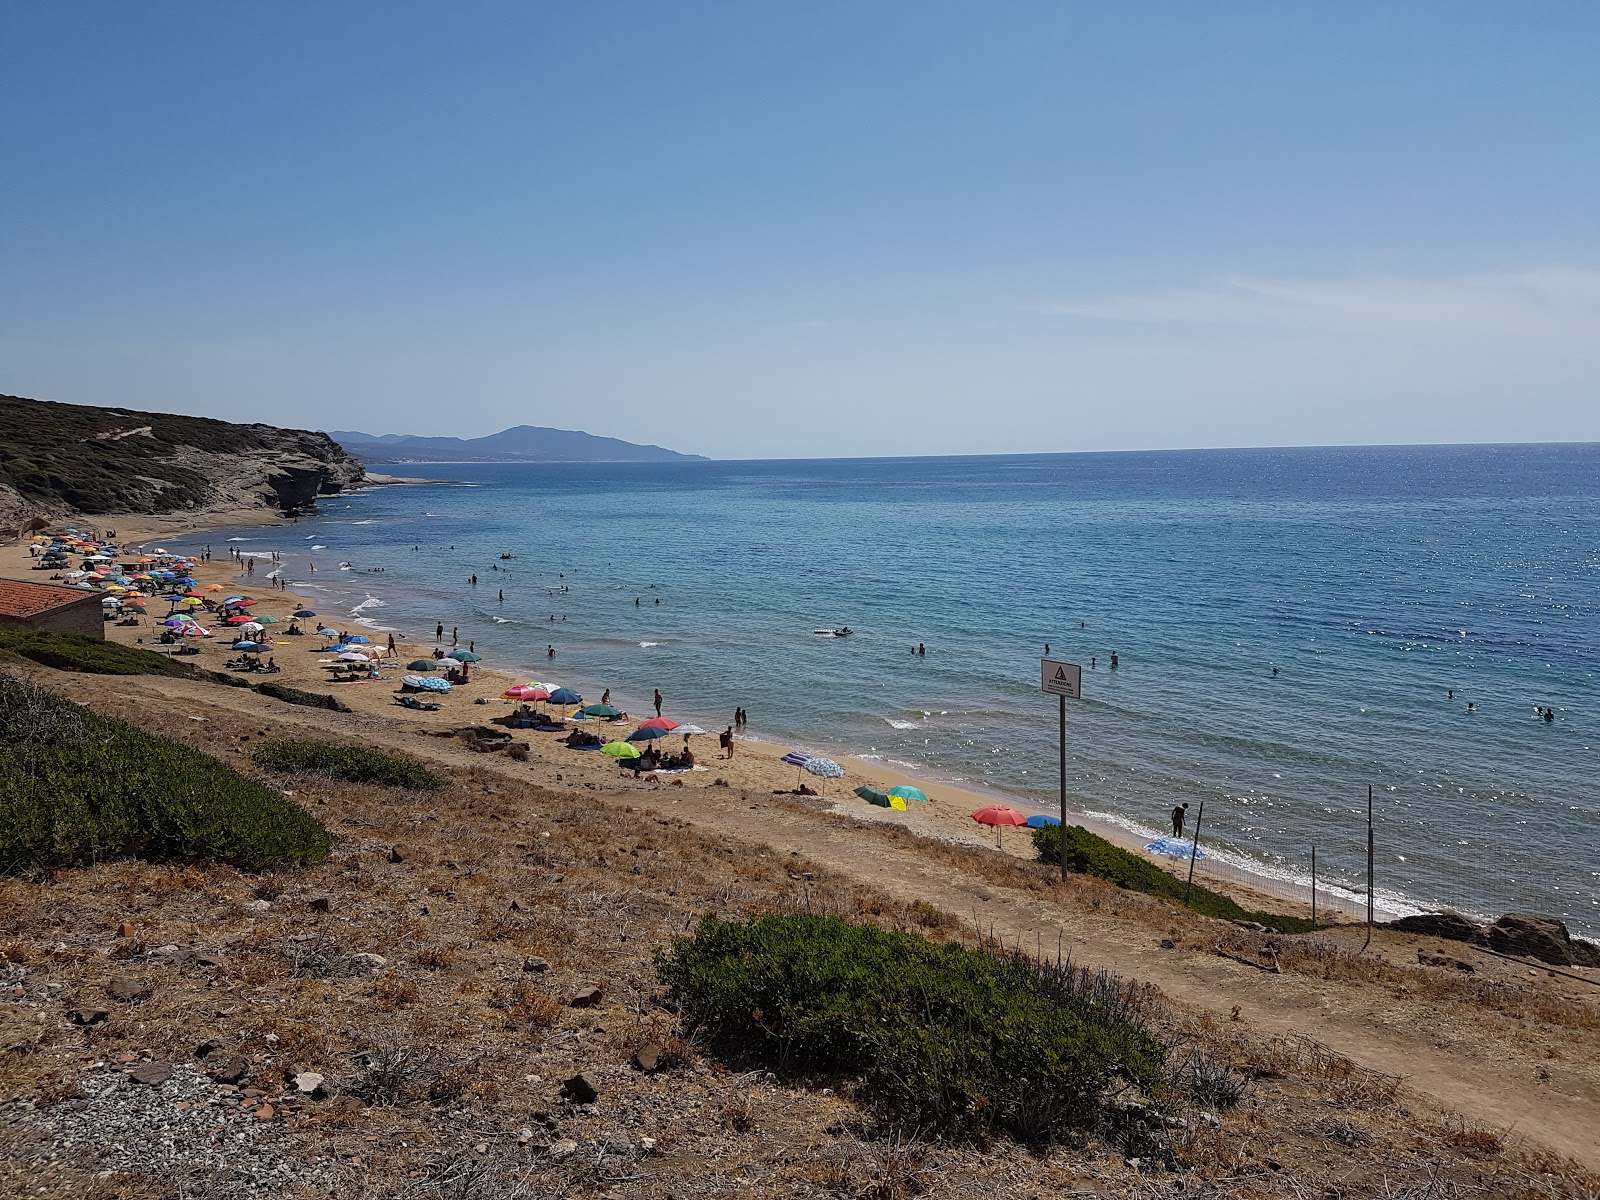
[(906, 792), (600, 710), (882, 799), (619, 750), (267, 621), (422, 664), (464, 656)]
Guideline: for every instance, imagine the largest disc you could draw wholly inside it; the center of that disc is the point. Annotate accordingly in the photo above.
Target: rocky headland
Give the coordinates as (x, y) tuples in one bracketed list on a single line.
[(62, 461)]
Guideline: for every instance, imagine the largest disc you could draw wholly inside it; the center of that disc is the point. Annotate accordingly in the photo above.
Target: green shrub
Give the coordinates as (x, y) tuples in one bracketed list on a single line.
[(79, 652), (76, 787), (1090, 854), (938, 1036), (353, 764)]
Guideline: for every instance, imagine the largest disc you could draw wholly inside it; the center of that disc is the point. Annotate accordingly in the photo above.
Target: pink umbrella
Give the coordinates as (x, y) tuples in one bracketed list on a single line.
[(521, 692), (658, 723)]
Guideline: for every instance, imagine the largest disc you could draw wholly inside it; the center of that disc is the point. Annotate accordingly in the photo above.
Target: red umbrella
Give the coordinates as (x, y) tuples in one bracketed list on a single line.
[(237, 621), (243, 603), (999, 815), (658, 723)]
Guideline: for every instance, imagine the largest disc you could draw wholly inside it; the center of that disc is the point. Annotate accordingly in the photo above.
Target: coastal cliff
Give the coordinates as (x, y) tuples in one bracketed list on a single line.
[(68, 460)]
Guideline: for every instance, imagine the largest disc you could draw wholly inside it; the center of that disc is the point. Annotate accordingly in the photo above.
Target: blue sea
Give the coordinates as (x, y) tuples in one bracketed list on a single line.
[(1288, 625)]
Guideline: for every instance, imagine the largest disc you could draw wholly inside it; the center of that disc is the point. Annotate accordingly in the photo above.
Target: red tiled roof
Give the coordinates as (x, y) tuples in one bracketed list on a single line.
[(23, 600)]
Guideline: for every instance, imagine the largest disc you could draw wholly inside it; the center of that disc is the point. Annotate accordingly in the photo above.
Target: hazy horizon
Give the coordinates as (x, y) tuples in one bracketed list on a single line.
[(802, 231)]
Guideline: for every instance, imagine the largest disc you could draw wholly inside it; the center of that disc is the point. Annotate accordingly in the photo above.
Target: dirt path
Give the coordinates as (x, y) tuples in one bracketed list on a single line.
[(1537, 1085)]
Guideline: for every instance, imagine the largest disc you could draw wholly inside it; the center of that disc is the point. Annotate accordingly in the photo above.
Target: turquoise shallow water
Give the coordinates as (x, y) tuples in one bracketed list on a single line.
[(1374, 580)]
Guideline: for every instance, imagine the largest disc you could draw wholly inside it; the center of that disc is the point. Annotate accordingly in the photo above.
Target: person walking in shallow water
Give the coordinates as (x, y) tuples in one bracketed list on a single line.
[(1178, 815)]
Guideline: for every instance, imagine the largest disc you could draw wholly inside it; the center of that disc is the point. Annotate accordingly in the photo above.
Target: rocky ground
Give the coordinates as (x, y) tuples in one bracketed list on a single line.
[(462, 1003)]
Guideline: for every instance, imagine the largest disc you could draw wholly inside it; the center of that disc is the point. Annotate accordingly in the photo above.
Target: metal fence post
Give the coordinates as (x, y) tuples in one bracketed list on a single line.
[(1368, 942), (1313, 889), (1194, 850)]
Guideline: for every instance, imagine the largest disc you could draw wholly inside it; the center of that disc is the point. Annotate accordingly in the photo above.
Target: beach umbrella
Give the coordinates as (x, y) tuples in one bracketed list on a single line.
[(250, 627), (686, 730), (565, 696), (662, 723), (796, 758), (458, 655), (599, 710), (422, 664), (191, 601), (246, 603), (906, 792), (304, 612), (535, 692), (136, 602), (352, 656), (999, 815), (519, 692), (215, 587), (646, 732), (268, 620), (882, 799), (354, 639), (1041, 821), (110, 602), (619, 750), (825, 767), (250, 647), (174, 622)]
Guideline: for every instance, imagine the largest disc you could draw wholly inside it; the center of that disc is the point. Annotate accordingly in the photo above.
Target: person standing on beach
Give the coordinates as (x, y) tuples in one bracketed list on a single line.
[(658, 702), (1178, 815), (438, 633), (725, 740), (393, 652)]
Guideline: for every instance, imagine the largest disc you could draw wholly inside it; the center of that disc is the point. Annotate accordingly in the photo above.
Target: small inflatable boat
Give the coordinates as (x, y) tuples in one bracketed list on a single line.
[(842, 631)]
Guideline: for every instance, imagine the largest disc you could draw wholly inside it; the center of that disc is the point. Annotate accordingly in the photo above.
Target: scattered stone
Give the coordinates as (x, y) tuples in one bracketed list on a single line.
[(518, 906), (265, 1113), (208, 1047), (646, 1144), (367, 961), (1451, 926), (648, 1058), (534, 963), (125, 929), (395, 856), (1168, 944), (321, 904), (171, 955), (579, 1090), (124, 989), (151, 1073), (228, 1070), (1444, 960), (482, 1147), (87, 1015), (585, 997), (309, 1083), (565, 1148)]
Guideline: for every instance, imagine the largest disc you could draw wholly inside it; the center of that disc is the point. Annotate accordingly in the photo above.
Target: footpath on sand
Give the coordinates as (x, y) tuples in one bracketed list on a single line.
[(1455, 1060)]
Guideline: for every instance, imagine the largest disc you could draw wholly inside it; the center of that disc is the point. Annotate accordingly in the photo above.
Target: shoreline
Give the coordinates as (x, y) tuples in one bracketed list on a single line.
[(755, 766)]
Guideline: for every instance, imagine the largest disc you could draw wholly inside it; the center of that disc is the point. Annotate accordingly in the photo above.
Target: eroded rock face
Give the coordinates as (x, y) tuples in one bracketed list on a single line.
[(1441, 925), (72, 459), (1534, 935)]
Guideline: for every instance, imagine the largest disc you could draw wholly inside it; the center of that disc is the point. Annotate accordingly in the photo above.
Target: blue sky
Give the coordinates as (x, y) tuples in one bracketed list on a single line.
[(773, 229)]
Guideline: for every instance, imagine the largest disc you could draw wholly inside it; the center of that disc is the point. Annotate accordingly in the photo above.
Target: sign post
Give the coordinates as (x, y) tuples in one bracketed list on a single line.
[(1062, 680)]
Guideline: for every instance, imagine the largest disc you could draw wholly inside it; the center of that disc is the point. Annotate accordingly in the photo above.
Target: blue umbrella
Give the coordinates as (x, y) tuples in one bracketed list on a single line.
[(645, 733), (304, 612), (565, 696), (354, 640), (248, 646), (1040, 820), (796, 758), (824, 767)]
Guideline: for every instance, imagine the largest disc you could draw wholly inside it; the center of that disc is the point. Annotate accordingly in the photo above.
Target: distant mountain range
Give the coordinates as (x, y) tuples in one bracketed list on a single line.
[(524, 443)]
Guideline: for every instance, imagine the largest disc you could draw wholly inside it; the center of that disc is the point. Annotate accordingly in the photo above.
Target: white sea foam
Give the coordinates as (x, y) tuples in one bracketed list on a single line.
[(893, 724), (319, 547), (647, 645), (238, 539), (501, 620), (361, 522), (369, 602)]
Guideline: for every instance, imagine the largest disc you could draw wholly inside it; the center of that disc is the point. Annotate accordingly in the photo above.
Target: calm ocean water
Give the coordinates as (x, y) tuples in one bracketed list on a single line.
[(1374, 580)]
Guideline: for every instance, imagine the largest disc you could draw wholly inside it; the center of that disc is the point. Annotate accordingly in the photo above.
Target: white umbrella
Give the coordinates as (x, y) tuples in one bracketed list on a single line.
[(686, 729)]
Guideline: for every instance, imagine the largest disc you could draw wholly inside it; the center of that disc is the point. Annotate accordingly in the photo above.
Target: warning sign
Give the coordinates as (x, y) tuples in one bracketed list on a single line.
[(1061, 678)]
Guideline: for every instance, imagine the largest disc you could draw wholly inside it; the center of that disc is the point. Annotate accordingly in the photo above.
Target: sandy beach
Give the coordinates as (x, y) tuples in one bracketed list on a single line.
[(753, 769)]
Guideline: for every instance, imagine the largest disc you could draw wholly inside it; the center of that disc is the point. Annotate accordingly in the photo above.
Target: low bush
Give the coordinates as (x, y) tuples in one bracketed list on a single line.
[(937, 1036), (1090, 854), (353, 764), (76, 787), (92, 656)]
